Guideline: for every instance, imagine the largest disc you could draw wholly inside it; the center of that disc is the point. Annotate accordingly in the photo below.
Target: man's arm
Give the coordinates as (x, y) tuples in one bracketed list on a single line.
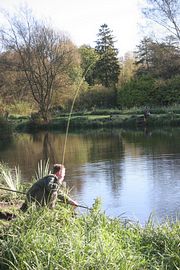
[(66, 199)]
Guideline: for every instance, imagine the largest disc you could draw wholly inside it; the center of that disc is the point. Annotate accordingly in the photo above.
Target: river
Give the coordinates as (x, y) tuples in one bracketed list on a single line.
[(135, 173)]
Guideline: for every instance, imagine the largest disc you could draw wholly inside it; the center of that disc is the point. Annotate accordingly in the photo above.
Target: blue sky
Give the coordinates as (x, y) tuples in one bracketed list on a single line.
[(81, 19)]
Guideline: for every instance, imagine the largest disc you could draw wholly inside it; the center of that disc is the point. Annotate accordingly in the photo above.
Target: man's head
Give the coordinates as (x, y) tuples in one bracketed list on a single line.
[(56, 168), (59, 171)]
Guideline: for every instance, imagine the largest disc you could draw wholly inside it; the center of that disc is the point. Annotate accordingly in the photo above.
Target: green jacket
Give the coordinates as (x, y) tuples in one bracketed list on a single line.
[(43, 192)]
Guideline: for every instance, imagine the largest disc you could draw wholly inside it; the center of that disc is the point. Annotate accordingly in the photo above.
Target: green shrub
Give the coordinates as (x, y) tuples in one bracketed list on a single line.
[(146, 91), (136, 92), (96, 97), (20, 108), (168, 92)]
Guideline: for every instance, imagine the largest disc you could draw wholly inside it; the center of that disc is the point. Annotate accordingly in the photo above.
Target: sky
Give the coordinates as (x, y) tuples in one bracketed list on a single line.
[(81, 19)]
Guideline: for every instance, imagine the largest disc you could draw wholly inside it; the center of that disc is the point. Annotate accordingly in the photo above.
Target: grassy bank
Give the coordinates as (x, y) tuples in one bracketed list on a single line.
[(102, 121), (97, 118), (46, 239), (92, 120)]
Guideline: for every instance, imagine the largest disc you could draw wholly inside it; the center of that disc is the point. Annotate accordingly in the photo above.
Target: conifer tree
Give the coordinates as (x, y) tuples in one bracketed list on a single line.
[(107, 68)]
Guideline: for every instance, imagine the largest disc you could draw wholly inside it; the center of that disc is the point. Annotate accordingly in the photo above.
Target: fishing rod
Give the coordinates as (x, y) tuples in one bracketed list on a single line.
[(24, 193), (12, 190), (85, 207), (71, 110), (66, 136)]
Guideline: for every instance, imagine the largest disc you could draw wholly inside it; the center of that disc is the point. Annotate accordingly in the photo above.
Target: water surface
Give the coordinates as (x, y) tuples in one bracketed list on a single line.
[(135, 173)]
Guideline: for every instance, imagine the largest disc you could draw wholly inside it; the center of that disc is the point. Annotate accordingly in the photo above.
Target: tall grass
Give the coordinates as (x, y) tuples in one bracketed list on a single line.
[(42, 169), (11, 178), (47, 240)]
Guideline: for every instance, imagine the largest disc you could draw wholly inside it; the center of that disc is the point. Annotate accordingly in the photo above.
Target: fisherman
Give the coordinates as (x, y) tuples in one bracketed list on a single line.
[(146, 113), (45, 190)]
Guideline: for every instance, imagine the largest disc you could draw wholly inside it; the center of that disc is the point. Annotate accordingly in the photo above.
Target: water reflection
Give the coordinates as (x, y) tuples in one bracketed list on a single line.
[(135, 172)]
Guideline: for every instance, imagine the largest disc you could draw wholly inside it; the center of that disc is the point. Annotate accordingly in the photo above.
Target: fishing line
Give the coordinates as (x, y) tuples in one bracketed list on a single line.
[(71, 110), (66, 136)]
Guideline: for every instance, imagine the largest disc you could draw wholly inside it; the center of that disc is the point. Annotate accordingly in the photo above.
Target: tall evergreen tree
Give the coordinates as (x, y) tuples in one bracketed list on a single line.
[(107, 68)]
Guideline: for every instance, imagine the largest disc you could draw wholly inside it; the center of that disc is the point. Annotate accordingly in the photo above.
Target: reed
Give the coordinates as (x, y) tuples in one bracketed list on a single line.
[(11, 178), (42, 169)]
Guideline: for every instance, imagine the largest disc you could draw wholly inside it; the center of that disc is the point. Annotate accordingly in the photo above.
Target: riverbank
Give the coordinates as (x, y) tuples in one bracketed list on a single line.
[(101, 119), (46, 239)]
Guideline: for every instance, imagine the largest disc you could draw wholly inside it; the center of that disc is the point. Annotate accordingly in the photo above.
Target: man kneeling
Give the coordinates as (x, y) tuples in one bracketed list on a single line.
[(45, 190)]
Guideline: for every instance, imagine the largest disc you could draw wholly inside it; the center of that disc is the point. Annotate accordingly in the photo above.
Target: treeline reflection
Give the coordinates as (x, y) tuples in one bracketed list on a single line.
[(128, 168)]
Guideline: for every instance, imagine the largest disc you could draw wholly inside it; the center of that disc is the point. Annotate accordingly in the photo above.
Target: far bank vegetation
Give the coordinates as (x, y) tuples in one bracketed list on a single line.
[(41, 70)]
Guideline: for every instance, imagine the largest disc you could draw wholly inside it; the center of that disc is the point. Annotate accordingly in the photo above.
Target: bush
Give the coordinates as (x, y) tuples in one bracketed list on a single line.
[(20, 108), (96, 97), (168, 92), (136, 92), (147, 91)]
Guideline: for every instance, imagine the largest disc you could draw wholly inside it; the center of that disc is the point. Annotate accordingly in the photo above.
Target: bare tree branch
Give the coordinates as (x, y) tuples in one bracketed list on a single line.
[(43, 55), (166, 13)]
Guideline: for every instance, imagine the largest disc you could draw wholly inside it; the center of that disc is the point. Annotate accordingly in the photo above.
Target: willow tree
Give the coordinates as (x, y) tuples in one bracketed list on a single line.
[(43, 54)]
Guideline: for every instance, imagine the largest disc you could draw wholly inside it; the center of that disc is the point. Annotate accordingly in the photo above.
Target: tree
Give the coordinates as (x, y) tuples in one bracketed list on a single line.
[(128, 68), (159, 60), (89, 58), (166, 13), (13, 84), (107, 68), (43, 55), (144, 56)]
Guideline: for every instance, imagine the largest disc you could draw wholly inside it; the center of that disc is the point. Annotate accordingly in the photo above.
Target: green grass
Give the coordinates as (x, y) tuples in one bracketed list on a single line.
[(43, 239), (102, 118), (102, 121)]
